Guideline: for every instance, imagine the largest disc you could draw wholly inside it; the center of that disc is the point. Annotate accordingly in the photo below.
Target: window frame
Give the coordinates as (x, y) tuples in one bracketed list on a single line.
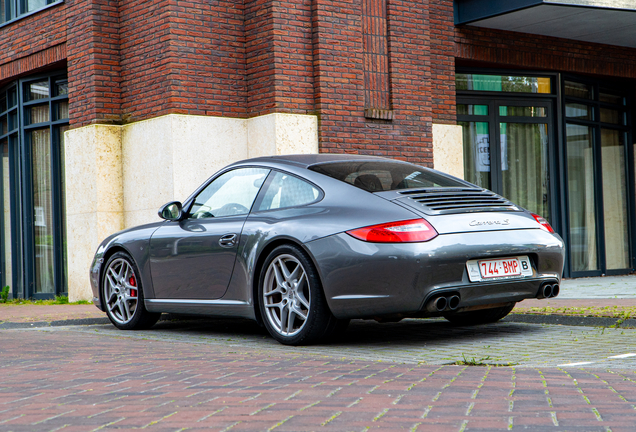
[(22, 222), (268, 181), (191, 201)]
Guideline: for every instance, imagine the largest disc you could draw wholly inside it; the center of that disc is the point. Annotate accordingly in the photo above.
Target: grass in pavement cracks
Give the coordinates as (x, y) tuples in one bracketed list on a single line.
[(58, 300), (618, 312)]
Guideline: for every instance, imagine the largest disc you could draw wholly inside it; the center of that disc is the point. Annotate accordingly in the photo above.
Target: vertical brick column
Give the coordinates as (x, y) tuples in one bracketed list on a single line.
[(377, 91), (294, 56), (259, 57), (339, 81), (93, 62), (443, 61), (279, 69)]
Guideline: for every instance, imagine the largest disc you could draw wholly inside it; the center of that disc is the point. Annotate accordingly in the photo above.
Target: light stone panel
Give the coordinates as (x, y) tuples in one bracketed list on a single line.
[(279, 134), (202, 146), (448, 151), (158, 160), (94, 198)]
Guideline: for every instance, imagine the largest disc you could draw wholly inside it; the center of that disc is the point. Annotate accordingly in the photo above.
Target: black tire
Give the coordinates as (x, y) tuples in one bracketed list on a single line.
[(294, 310), (123, 295), (483, 316)]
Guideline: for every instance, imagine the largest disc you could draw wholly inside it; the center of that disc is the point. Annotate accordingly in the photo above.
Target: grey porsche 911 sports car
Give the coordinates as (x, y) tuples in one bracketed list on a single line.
[(304, 243)]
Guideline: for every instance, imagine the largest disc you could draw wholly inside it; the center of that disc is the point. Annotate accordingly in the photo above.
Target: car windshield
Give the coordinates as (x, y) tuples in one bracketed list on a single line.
[(379, 176)]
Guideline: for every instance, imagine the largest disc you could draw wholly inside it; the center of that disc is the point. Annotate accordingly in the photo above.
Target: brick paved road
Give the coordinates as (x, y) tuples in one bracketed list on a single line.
[(227, 375), (415, 341)]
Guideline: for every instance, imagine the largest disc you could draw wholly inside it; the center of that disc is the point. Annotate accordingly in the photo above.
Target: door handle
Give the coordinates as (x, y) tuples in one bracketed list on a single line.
[(228, 240)]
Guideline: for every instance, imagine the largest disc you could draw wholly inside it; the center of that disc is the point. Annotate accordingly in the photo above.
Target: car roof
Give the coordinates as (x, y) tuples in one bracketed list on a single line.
[(305, 160)]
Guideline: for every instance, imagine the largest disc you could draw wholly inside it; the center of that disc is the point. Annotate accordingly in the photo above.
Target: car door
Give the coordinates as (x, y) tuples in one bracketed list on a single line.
[(194, 258)]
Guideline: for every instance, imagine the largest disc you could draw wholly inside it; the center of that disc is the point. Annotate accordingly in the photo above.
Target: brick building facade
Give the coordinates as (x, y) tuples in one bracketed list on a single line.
[(145, 99)]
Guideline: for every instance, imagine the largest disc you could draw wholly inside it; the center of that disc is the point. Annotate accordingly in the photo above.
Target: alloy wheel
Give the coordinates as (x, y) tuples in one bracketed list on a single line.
[(120, 291), (286, 295)]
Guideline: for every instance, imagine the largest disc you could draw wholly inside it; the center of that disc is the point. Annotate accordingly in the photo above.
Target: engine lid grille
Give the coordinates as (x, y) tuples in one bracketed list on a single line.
[(438, 201)]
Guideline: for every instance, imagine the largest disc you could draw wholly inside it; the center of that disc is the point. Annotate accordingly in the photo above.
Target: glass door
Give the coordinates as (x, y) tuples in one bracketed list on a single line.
[(506, 148), (33, 118), (10, 244), (597, 170)]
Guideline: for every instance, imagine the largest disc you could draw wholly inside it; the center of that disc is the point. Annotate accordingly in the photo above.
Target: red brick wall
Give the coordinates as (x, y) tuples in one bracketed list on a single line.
[(24, 41), (340, 89), (144, 38), (205, 58), (511, 49), (279, 56), (259, 57), (93, 62), (442, 61), (132, 60), (293, 45)]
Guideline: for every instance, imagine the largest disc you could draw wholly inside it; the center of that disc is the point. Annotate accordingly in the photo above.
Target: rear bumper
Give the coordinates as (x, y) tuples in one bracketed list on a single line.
[(364, 280)]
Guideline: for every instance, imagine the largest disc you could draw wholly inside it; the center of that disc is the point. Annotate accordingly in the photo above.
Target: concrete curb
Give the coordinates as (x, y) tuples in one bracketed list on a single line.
[(56, 323), (84, 321), (571, 320), (518, 318)]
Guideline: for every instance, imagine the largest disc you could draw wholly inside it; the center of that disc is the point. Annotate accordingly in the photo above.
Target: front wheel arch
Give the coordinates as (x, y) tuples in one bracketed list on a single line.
[(100, 289)]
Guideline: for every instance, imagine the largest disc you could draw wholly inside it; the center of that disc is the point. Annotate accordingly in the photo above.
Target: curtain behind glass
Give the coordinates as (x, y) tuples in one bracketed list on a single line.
[(476, 153), (43, 211), (6, 213), (615, 199), (524, 165), (581, 200)]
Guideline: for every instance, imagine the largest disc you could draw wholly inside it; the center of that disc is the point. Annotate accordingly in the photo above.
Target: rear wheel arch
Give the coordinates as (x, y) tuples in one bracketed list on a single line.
[(258, 268)]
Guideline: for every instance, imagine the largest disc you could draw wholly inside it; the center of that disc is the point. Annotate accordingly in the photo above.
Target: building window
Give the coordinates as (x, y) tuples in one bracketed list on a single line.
[(33, 119), (507, 123), (13, 9), (503, 83)]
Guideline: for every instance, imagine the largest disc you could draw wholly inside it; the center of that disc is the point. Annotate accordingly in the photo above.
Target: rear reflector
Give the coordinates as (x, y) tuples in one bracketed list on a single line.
[(409, 231), (545, 225)]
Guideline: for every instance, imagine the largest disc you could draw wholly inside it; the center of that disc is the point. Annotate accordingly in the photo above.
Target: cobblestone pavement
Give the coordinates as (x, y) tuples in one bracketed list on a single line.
[(617, 287), (228, 375), (430, 341)]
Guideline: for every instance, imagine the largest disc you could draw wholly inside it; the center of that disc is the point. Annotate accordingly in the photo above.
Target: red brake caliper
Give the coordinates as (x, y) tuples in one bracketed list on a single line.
[(133, 282)]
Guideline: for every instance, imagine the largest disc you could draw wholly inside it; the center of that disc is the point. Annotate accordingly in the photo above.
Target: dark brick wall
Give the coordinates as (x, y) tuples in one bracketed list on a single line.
[(519, 50), (259, 57), (205, 57), (33, 34), (93, 61), (338, 74), (130, 60), (442, 61), (293, 46)]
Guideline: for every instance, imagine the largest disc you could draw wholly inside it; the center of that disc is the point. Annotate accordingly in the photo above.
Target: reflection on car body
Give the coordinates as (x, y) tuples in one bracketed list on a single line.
[(304, 243)]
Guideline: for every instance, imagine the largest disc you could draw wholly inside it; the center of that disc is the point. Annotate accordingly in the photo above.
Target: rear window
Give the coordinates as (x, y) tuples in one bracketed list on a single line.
[(379, 176)]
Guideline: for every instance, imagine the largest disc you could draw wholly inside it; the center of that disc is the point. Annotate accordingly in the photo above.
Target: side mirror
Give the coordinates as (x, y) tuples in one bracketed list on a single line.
[(173, 211)]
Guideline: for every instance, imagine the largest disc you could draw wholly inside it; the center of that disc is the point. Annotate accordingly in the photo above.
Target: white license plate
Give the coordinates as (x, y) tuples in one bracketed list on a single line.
[(499, 269)]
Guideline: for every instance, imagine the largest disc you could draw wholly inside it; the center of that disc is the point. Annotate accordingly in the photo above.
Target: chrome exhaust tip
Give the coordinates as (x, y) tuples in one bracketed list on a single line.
[(547, 291), (555, 290), (440, 303), (453, 302)]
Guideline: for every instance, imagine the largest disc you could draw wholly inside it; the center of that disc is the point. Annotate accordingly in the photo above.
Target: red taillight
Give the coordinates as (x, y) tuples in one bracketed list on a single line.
[(415, 230), (544, 223)]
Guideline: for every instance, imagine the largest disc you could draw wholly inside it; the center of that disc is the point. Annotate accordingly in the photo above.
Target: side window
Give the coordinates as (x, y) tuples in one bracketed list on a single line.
[(230, 194), (288, 191)]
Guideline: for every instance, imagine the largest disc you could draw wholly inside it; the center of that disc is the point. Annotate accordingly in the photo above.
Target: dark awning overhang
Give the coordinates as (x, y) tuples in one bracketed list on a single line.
[(611, 22)]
